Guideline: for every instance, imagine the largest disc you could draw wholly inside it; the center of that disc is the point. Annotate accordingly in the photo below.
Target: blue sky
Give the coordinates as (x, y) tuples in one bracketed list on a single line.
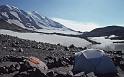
[(91, 13)]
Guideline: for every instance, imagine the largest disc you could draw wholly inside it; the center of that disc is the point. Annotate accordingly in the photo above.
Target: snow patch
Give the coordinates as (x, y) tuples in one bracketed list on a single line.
[(15, 14), (16, 22), (5, 14), (112, 36), (106, 44)]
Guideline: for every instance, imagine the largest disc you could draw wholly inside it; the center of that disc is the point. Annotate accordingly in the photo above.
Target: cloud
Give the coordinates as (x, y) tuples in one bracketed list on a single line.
[(78, 26)]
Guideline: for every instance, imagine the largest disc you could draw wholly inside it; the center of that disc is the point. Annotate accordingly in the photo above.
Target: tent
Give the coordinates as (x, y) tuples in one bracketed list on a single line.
[(35, 62), (93, 60)]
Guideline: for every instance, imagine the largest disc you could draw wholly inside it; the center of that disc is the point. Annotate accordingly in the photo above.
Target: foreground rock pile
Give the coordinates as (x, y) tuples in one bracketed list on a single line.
[(20, 68), (12, 48)]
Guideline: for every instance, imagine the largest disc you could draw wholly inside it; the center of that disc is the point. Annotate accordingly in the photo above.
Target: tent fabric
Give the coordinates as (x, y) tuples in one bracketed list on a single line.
[(35, 62), (93, 60), (91, 53)]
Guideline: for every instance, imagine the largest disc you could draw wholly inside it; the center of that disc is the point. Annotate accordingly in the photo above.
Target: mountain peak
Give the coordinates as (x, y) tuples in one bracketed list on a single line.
[(35, 12), (7, 7)]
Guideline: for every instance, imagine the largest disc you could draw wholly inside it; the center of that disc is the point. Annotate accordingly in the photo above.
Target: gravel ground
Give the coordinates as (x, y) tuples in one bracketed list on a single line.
[(19, 47)]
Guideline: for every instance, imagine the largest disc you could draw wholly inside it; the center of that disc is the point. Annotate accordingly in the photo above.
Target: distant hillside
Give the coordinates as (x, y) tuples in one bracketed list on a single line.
[(106, 31)]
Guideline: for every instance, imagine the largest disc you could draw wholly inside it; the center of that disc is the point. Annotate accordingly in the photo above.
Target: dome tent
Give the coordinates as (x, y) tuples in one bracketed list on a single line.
[(93, 60)]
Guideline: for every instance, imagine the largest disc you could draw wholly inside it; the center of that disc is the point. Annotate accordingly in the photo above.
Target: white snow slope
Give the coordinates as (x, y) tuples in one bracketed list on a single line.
[(49, 38)]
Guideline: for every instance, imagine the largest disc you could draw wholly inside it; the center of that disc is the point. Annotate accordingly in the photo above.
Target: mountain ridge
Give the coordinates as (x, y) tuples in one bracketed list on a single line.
[(30, 21), (106, 31)]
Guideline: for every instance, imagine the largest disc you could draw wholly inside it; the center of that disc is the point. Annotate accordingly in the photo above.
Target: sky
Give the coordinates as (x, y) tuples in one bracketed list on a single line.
[(80, 15)]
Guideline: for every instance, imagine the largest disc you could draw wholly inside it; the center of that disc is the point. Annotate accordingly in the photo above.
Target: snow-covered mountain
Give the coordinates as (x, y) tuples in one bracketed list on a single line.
[(28, 20)]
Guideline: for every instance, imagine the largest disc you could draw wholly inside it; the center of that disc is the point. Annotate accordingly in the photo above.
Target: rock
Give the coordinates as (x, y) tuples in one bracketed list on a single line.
[(79, 74), (15, 59), (50, 49), (91, 74), (14, 45), (21, 50), (24, 66), (58, 44), (72, 46), (60, 75), (17, 67), (13, 50), (4, 47), (50, 74), (11, 69), (16, 42), (21, 75), (3, 70), (66, 48), (69, 74), (37, 73)]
